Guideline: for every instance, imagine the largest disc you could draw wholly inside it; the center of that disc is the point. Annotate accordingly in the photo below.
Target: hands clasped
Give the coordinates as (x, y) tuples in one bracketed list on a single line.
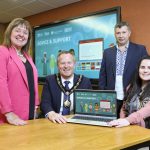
[(56, 118), (119, 123)]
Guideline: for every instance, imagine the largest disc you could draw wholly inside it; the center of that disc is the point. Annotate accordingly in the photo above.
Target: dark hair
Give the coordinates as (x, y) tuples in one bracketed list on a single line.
[(136, 84), (121, 24), (14, 23)]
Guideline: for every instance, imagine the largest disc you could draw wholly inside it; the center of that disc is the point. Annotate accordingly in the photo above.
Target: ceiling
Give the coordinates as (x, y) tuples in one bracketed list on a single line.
[(10, 9)]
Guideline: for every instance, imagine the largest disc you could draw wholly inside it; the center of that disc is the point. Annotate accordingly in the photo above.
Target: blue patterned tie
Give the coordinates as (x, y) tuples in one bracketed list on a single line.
[(66, 110)]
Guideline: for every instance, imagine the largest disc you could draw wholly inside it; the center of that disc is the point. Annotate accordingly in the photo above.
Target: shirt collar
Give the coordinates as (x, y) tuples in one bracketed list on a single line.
[(70, 79), (126, 46)]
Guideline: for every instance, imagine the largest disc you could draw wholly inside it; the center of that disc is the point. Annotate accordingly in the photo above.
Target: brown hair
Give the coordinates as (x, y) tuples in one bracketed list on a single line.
[(14, 23), (121, 24), (60, 52)]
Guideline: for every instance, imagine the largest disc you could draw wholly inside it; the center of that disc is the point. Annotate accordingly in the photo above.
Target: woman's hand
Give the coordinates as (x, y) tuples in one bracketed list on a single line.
[(13, 119), (119, 123)]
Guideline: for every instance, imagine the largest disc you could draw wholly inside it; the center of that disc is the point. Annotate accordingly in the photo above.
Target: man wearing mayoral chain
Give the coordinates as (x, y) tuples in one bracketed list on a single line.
[(57, 94)]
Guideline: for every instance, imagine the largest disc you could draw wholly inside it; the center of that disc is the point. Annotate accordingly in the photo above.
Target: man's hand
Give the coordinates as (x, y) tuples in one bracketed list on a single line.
[(13, 119), (56, 118)]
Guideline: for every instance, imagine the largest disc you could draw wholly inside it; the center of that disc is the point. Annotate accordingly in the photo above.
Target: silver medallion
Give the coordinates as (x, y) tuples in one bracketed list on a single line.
[(67, 103), (67, 93)]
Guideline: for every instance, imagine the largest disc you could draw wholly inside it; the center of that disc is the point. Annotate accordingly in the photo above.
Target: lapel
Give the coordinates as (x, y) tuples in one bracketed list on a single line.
[(113, 57), (19, 64), (57, 92), (129, 58), (75, 79)]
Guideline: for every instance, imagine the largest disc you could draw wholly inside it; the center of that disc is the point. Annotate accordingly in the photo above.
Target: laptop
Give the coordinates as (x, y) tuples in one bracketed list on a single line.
[(94, 107)]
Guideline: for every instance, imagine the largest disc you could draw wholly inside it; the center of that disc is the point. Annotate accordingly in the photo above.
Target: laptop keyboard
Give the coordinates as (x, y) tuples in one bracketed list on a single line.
[(92, 118)]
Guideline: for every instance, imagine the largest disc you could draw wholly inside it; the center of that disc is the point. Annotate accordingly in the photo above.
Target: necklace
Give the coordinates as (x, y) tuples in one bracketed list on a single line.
[(67, 102), (68, 92), (19, 53)]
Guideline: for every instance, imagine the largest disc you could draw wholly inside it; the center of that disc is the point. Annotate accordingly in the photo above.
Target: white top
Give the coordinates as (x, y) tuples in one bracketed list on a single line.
[(119, 87)]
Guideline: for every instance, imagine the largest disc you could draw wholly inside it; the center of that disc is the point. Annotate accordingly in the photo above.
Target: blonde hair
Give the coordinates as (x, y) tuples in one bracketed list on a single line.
[(14, 23)]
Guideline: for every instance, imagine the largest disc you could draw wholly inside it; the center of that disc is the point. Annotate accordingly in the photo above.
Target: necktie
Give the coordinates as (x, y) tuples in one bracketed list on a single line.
[(66, 110)]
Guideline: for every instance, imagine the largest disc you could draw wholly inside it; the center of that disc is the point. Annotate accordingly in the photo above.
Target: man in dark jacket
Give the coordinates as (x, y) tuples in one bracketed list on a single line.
[(57, 94), (119, 63)]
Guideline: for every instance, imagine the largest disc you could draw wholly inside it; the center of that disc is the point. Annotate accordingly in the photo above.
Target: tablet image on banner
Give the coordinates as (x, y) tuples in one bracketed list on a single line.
[(90, 55), (91, 49)]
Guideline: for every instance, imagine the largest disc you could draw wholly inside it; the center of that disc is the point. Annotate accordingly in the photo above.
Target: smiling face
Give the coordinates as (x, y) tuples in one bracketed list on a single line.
[(144, 70), (122, 35), (19, 36), (66, 64)]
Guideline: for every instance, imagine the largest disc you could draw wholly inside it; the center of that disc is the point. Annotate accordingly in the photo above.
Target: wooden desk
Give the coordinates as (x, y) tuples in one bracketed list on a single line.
[(41, 134)]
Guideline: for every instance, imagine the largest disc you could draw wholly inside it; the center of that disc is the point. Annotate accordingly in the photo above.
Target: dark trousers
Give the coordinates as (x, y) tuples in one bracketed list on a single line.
[(119, 105)]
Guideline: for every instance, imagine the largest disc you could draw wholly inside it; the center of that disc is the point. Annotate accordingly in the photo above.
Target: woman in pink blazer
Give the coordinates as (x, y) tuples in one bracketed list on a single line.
[(136, 107), (18, 75)]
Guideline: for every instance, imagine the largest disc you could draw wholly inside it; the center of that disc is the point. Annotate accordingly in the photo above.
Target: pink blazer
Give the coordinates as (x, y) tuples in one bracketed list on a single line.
[(14, 90)]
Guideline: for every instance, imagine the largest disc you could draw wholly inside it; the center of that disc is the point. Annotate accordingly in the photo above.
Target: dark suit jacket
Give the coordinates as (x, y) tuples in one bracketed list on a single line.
[(108, 66), (51, 94)]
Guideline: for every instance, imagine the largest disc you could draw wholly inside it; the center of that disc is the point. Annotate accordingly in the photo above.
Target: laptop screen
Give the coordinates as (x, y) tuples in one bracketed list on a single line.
[(95, 102)]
